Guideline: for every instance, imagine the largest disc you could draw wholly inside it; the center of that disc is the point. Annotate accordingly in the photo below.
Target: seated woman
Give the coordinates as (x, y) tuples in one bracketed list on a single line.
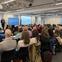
[(7, 46)]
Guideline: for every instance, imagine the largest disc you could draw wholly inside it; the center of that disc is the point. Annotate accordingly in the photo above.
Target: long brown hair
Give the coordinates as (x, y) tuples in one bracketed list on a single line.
[(25, 35), (45, 32)]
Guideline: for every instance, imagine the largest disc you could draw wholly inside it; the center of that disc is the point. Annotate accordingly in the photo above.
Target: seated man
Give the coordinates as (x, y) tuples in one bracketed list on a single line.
[(7, 46)]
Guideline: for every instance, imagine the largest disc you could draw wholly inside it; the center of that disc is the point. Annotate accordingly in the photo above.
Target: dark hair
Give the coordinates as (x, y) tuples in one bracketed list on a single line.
[(29, 29)]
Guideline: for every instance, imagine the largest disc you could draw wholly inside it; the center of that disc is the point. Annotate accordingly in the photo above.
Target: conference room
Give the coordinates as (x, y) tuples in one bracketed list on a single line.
[(30, 30)]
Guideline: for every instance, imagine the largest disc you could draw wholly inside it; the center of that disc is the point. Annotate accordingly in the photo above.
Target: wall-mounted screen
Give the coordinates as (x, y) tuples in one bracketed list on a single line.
[(25, 20), (13, 21)]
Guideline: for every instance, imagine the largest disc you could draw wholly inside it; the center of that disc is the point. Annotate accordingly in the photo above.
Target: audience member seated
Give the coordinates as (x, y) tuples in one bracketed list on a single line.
[(19, 33), (7, 46), (15, 30)]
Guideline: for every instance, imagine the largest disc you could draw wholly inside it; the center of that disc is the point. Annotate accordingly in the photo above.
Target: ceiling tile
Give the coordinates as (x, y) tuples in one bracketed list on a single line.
[(38, 2)]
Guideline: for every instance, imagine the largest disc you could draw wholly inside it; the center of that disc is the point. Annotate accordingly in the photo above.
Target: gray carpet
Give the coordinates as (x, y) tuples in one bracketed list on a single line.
[(57, 57)]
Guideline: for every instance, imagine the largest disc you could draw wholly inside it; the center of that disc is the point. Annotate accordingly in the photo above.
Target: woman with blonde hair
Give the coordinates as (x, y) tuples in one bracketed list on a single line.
[(8, 46)]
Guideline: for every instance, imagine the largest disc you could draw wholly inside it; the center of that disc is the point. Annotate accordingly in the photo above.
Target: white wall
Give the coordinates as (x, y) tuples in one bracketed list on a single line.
[(37, 19), (6, 16), (53, 20), (33, 19)]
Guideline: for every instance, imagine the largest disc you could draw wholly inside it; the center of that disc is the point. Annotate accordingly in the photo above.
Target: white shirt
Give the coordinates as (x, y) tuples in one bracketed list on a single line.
[(17, 36), (21, 43), (7, 44)]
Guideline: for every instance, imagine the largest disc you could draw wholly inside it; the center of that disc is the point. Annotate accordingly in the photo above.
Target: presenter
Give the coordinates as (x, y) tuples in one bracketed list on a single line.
[(3, 23)]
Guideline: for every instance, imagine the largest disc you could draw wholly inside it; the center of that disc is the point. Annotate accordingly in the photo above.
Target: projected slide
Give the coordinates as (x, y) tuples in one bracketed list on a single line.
[(25, 20), (13, 21)]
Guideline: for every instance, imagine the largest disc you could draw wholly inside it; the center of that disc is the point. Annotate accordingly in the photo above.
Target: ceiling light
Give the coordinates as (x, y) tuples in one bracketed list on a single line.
[(58, 3), (7, 1)]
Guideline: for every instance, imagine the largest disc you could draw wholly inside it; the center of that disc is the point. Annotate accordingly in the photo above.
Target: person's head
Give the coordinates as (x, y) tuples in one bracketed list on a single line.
[(8, 33), (2, 20), (45, 32), (34, 28), (19, 28), (8, 27), (25, 35), (25, 28)]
